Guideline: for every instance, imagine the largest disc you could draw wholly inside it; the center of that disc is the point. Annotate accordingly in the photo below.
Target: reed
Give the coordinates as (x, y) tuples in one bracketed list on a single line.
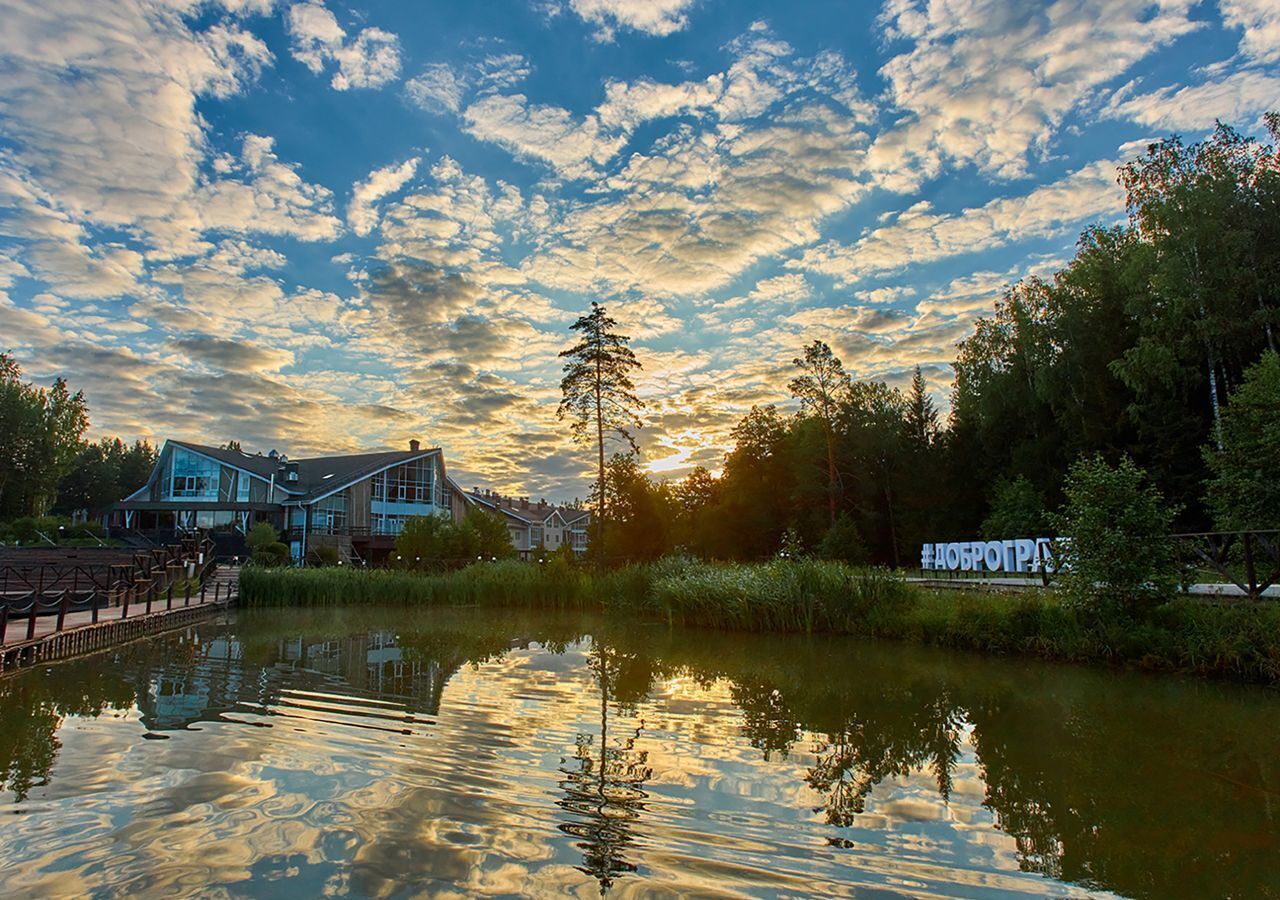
[(1240, 641)]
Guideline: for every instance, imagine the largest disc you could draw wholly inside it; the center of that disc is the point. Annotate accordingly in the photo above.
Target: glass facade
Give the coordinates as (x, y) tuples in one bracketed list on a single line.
[(192, 476), (330, 514), (414, 482)]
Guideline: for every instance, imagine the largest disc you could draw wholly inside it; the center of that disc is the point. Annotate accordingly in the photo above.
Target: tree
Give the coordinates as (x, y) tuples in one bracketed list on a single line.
[(1017, 511), (922, 416), (820, 390), (597, 393), (1117, 556), (265, 547), (484, 533), (1244, 491), (41, 433), (426, 541)]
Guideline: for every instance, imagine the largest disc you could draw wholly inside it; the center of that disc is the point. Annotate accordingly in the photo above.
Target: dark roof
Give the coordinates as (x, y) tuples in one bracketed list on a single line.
[(322, 474), (530, 511), (317, 475), (263, 466)]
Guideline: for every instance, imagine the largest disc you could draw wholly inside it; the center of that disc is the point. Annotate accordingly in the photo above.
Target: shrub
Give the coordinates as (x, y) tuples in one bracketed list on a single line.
[(1117, 554), (326, 555), (843, 542)]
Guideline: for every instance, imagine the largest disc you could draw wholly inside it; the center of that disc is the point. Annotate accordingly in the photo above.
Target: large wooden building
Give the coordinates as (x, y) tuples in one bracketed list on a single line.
[(357, 503)]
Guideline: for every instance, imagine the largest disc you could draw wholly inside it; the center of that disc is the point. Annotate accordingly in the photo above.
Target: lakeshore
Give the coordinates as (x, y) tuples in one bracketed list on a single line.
[(1229, 640)]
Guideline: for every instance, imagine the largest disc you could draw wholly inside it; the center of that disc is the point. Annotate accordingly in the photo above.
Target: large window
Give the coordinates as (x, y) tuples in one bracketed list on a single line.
[(413, 482), (330, 514), (192, 476)]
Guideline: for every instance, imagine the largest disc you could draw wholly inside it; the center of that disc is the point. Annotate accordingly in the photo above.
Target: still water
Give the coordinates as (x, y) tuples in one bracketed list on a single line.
[(403, 753)]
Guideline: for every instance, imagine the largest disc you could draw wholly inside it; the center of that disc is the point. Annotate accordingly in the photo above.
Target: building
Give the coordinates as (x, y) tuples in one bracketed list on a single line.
[(535, 526), (357, 503)]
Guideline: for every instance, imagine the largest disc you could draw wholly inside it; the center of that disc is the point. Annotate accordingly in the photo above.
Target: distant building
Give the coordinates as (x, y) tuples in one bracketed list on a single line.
[(356, 503), (537, 525)]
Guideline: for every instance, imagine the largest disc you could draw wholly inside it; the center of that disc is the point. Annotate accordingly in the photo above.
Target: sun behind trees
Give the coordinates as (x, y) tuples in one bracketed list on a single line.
[(1154, 344)]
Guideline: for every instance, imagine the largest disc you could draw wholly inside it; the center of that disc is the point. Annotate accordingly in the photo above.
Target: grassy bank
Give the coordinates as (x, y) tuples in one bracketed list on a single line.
[(1241, 642)]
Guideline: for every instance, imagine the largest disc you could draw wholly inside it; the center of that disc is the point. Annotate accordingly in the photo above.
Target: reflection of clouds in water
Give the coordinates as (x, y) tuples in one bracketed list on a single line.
[(463, 800)]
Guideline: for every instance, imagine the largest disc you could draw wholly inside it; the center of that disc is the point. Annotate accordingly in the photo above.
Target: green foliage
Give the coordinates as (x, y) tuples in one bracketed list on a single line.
[(1017, 510), (40, 435), (1117, 552), (324, 555), (597, 395), (103, 473), (265, 547), (262, 535), (843, 542), (1229, 640), (1244, 492), (428, 542)]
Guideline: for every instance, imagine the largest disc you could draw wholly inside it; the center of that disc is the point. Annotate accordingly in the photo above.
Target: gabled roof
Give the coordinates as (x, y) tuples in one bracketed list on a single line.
[(257, 464), (318, 475), (322, 475)]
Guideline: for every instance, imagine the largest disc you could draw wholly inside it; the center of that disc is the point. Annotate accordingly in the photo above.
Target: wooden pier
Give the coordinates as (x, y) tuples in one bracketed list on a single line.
[(32, 639)]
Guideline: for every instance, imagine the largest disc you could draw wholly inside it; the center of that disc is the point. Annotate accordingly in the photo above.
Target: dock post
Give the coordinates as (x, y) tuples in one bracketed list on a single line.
[(31, 618), (151, 595), (168, 600), (4, 627), (62, 610), (186, 601), (124, 607)]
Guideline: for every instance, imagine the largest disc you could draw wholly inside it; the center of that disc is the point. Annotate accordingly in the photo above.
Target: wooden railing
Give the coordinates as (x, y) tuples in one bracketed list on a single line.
[(149, 585)]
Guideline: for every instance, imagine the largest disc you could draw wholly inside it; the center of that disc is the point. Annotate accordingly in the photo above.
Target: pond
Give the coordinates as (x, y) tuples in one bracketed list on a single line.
[(420, 752)]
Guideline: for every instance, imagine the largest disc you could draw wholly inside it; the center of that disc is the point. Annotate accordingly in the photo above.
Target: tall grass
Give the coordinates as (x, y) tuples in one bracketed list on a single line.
[(1235, 641)]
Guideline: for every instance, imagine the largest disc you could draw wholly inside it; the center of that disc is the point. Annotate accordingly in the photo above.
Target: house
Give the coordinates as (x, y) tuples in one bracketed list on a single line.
[(539, 525), (357, 503)]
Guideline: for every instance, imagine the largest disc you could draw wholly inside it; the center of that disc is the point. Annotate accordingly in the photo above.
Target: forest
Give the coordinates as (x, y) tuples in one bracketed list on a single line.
[(1153, 349), (1152, 355)]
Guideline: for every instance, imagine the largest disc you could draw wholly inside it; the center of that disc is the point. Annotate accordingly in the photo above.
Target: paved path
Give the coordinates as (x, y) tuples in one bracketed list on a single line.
[(226, 582), (1004, 583)]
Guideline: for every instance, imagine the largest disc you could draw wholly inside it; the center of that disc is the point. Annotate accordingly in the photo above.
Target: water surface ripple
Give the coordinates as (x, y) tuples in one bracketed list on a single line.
[(388, 753)]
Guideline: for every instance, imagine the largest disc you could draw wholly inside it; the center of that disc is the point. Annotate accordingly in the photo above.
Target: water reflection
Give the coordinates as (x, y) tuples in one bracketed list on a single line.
[(397, 752)]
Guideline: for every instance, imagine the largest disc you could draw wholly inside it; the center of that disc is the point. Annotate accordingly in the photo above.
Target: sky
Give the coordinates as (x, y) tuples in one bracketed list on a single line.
[(327, 227)]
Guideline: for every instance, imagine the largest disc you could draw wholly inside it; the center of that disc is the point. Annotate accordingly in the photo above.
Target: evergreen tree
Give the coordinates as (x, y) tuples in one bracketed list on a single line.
[(820, 390), (597, 393), (922, 416)]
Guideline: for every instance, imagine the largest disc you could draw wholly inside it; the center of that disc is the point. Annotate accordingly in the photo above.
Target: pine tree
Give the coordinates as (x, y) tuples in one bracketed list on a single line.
[(820, 390), (597, 393), (922, 416)]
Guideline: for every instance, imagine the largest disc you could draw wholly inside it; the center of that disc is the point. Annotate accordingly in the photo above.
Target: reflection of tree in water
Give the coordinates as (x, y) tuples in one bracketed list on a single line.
[(603, 785), (852, 760), (32, 707)]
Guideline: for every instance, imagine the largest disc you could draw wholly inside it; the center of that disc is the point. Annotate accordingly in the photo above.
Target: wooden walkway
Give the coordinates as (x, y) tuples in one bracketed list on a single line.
[(115, 625)]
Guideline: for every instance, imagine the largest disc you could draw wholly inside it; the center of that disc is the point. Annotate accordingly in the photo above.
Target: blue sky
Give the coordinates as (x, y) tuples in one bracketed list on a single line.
[(331, 226)]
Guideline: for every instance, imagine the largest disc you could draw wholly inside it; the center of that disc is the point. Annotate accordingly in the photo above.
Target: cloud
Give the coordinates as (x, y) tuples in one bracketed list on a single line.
[(362, 215), (270, 197), (233, 356), (547, 133), (989, 81), (369, 61), (1237, 97), (439, 88), (656, 18), (1259, 22), (919, 235)]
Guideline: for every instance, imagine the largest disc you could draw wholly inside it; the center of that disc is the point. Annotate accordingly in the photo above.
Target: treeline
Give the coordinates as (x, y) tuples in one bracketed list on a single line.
[(46, 465), (1156, 344)]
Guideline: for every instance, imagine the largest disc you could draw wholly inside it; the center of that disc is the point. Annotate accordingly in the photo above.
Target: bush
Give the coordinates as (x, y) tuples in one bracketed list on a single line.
[(326, 555), (843, 542), (1117, 554)]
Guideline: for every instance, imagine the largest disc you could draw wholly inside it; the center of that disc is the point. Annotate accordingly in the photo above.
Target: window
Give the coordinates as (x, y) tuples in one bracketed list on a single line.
[(383, 524), (242, 487), (413, 482), (535, 536), (330, 514), (192, 476)]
